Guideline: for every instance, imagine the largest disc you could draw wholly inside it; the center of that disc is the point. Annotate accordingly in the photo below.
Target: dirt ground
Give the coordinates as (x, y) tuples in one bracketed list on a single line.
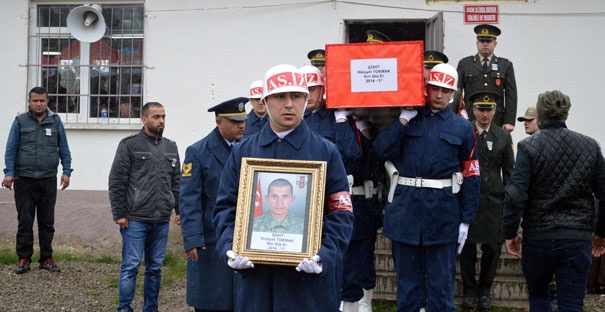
[(83, 225)]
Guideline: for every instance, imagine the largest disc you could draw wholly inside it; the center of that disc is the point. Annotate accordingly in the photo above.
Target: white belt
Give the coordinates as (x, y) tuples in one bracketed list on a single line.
[(420, 182), (358, 190)]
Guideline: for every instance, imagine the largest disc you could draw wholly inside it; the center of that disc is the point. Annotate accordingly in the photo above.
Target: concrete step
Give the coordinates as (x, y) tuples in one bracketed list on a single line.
[(509, 265), (509, 289), (504, 288)]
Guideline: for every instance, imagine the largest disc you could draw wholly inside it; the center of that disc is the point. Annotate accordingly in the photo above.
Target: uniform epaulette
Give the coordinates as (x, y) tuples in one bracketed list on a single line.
[(504, 59)]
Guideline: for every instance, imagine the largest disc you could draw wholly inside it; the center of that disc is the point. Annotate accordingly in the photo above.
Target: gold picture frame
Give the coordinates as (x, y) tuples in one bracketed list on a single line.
[(287, 228)]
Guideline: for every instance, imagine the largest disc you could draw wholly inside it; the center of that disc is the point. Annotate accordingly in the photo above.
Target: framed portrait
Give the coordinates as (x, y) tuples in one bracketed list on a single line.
[(279, 210)]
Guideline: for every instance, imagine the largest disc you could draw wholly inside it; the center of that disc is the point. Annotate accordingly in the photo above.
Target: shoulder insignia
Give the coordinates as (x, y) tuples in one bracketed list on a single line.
[(187, 170)]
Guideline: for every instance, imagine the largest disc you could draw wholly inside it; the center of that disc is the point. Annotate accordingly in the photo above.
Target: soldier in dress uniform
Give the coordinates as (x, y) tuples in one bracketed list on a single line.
[(210, 284), (433, 195), (314, 285), (497, 161), (486, 71), (257, 117)]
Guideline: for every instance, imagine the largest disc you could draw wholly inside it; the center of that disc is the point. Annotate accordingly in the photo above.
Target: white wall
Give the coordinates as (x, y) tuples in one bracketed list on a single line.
[(200, 53)]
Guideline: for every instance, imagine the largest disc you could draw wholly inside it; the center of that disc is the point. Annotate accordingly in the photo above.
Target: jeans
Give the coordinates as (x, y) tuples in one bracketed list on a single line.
[(139, 238), (35, 197), (570, 262)]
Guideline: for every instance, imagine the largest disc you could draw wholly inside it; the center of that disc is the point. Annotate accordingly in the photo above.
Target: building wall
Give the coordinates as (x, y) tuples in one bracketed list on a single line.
[(199, 53)]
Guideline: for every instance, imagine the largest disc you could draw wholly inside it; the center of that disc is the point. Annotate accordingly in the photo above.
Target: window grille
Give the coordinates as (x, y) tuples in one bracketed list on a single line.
[(89, 83)]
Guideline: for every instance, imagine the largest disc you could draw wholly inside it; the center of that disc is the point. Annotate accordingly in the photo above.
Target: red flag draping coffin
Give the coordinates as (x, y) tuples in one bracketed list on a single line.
[(375, 74)]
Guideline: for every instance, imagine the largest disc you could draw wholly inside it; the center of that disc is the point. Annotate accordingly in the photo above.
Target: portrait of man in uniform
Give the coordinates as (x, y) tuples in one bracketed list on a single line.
[(280, 196), (279, 216)]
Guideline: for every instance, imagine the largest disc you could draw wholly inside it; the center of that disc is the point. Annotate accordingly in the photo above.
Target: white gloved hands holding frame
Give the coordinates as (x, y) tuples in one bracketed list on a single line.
[(239, 262), (312, 266)]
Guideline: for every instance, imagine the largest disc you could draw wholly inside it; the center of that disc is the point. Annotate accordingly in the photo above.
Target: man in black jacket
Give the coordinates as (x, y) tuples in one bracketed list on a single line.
[(558, 173), (143, 190)]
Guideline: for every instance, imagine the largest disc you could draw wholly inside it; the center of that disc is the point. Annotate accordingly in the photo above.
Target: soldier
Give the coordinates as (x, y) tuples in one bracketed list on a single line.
[(486, 71), (279, 219), (497, 161), (209, 281), (429, 208), (529, 121), (432, 58), (376, 36), (318, 59), (333, 125), (257, 117), (314, 285)]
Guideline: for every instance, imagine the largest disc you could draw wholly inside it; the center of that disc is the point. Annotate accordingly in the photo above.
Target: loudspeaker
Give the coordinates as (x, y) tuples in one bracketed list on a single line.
[(86, 23)]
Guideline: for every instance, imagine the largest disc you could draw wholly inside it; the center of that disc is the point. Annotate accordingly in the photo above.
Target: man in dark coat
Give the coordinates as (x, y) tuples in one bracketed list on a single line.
[(485, 71), (558, 173), (497, 161), (209, 280)]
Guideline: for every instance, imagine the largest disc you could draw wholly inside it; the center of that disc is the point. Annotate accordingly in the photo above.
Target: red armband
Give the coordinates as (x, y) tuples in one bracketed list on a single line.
[(340, 201), (470, 168)]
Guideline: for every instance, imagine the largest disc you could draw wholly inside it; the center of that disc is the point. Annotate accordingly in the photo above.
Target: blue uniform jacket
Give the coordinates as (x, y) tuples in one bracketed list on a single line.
[(431, 146), (209, 280), (323, 122), (254, 123), (293, 290)]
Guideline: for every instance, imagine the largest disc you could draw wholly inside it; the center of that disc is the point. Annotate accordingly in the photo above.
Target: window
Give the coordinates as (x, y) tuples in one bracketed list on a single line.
[(89, 83), (429, 30)]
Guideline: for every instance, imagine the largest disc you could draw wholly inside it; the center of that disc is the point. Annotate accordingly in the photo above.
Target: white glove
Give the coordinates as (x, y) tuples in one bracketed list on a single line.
[(342, 114), (361, 124), (408, 114), (312, 266), (239, 262), (462, 235)]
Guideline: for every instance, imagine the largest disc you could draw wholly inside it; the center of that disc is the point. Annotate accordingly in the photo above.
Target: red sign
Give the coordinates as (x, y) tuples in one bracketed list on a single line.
[(375, 74), (480, 14)]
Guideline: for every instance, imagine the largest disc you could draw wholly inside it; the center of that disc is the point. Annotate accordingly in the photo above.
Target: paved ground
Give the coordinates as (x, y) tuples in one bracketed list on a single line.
[(82, 218)]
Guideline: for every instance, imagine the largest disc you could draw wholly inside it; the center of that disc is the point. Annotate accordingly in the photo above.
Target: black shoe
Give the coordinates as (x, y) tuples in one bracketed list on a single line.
[(23, 266), (469, 301), (485, 302), (50, 265)]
